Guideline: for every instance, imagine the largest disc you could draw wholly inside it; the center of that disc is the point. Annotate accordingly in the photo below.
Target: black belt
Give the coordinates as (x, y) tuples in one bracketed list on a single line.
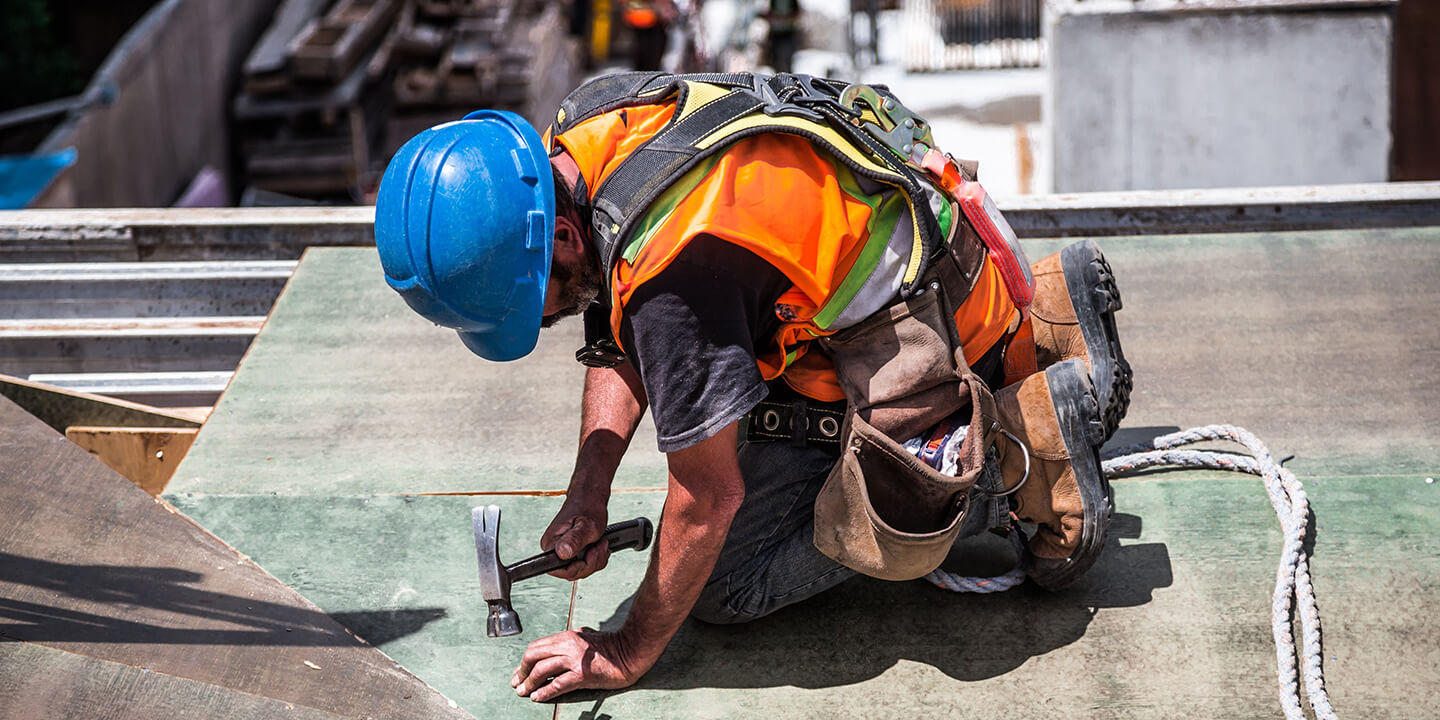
[(819, 423)]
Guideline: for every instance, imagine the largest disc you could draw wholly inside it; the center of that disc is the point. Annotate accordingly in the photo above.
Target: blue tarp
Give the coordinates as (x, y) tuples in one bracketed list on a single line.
[(22, 177)]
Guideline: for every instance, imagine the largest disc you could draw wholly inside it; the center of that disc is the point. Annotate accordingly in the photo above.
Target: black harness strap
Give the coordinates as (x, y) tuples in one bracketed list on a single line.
[(622, 198)]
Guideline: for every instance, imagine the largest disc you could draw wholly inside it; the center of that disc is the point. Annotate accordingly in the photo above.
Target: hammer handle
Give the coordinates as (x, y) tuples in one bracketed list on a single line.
[(622, 535)]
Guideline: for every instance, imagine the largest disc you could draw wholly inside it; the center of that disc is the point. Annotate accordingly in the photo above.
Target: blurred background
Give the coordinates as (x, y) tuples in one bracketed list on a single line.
[(139, 103)]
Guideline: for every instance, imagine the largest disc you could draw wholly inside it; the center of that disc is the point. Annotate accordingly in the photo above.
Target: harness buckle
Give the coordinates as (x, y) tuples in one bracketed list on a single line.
[(775, 106), (602, 353), (899, 128)]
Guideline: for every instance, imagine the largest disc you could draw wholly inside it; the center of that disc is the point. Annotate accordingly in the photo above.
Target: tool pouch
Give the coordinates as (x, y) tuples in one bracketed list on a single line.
[(883, 512)]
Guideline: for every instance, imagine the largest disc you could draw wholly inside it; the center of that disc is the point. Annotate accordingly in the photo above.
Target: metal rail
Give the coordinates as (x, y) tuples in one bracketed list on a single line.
[(1225, 210), (129, 289), (284, 233), (160, 389)]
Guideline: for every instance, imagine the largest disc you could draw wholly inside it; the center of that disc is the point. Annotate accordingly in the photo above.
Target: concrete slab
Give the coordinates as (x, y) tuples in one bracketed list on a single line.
[(346, 391), (1321, 343), (1173, 621)]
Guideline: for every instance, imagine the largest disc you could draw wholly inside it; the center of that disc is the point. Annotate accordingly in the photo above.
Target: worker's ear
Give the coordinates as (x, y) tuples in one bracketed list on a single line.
[(569, 239)]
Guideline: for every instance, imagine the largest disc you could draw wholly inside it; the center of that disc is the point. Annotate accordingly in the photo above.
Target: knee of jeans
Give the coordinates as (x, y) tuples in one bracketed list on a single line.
[(714, 607), (718, 615)]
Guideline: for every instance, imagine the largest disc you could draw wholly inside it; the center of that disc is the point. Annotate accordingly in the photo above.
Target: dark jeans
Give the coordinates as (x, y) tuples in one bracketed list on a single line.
[(769, 559)]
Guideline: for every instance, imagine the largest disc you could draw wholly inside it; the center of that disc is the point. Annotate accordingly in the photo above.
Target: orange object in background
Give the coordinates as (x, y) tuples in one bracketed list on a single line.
[(639, 14)]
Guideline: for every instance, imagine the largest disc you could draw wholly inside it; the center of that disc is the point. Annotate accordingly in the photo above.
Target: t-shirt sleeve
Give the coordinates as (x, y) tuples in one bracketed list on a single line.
[(691, 332)]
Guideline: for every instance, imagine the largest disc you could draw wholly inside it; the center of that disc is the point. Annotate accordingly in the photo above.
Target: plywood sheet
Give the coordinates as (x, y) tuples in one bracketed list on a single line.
[(38, 681), (91, 564), (60, 408), (145, 456)]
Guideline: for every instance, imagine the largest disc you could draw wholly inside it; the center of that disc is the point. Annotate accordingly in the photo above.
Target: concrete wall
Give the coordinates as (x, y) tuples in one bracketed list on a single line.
[(1219, 98), (173, 76)]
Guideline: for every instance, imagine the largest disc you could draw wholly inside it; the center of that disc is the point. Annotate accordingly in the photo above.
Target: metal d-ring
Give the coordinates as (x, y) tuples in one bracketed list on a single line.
[(1026, 450)]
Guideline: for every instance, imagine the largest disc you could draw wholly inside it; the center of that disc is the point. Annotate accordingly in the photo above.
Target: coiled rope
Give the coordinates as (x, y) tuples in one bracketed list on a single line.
[(1292, 579)]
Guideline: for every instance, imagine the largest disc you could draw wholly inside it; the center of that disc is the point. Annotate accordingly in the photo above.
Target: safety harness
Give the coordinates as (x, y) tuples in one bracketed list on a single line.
[(864, 127)]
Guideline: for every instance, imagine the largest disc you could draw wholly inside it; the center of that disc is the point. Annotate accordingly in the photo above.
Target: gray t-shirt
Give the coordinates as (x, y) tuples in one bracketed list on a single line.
[(691, 333)]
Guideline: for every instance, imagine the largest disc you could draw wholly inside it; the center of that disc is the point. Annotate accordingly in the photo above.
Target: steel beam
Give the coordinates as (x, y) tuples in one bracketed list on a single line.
[(236, 233), (125, 345), (127, 289), (1225, 210)]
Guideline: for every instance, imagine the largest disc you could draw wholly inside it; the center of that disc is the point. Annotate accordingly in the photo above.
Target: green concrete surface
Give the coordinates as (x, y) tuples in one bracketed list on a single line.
[(401, 572), (1323, 344), (347, 391), (1173, 622)]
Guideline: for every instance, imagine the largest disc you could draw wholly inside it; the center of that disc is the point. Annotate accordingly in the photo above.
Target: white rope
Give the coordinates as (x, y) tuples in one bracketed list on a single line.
[(1292, 579)]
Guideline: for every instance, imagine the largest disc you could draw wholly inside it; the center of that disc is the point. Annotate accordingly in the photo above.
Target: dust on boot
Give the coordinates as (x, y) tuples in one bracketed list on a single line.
[(1073, 316), (1050, 462)]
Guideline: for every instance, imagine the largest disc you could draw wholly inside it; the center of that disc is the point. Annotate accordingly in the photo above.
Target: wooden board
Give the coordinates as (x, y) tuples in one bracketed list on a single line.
[(33, 677), (266, 67), (145, 456), (60, 408), (92, 565)]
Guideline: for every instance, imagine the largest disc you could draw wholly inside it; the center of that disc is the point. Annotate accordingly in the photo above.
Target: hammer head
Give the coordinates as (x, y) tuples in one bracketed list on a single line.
[(502, 622), (494, 580)]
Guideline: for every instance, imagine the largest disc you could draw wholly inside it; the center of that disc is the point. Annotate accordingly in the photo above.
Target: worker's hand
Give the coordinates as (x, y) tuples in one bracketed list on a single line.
[(579, 523), (555, 665)]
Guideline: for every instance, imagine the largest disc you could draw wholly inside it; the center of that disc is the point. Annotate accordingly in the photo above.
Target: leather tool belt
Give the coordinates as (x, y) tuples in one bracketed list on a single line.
[(800, 422), (882, 511)]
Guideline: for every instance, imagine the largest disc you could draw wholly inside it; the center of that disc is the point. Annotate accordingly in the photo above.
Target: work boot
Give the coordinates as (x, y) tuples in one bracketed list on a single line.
[(1049, 458), (1073, 316)]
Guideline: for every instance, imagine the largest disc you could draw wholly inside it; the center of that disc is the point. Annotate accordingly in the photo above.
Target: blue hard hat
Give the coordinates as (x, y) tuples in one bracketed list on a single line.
[(465, 224)]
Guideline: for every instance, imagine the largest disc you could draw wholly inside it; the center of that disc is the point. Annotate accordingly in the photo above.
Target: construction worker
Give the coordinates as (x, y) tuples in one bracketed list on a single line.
[(792, 287)]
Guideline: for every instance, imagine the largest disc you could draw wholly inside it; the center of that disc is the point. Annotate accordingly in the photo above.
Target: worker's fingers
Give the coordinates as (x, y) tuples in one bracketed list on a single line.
[(594, 560), (541, 673), (535, 652), (574, 571), (558, 527), (562, 684), (582, 532), (598, 557)]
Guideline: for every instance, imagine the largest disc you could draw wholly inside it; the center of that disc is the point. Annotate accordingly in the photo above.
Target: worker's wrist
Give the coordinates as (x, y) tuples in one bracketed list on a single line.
[(588, 491), (640, 648)]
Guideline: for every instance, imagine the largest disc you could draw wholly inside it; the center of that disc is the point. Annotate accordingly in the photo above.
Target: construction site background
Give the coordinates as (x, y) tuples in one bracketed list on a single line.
[(205, 102)]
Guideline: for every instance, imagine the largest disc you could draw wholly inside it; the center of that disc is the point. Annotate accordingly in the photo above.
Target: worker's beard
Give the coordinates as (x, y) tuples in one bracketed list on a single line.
[(579, 286)]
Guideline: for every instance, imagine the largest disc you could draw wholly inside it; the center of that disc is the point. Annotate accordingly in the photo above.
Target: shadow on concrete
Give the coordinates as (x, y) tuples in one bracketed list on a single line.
[(864, 627), (1127, 436), (59, 602)]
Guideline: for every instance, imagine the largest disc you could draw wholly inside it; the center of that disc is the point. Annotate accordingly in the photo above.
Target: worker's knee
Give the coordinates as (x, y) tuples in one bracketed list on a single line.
[(717, 606)]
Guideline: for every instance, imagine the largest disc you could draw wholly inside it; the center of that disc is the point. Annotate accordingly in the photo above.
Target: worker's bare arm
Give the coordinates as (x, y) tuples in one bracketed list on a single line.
[(613, 404), (705, 491)]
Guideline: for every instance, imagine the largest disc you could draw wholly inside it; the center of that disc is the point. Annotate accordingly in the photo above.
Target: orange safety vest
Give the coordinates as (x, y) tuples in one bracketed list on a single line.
[(782, 198)]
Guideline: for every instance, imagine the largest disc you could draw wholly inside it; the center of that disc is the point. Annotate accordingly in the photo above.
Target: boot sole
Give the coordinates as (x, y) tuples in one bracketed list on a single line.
[(1095, 298), (1078, 412)]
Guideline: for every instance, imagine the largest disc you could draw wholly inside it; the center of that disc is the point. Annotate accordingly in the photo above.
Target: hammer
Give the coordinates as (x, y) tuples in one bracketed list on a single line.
[(496, 577)]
